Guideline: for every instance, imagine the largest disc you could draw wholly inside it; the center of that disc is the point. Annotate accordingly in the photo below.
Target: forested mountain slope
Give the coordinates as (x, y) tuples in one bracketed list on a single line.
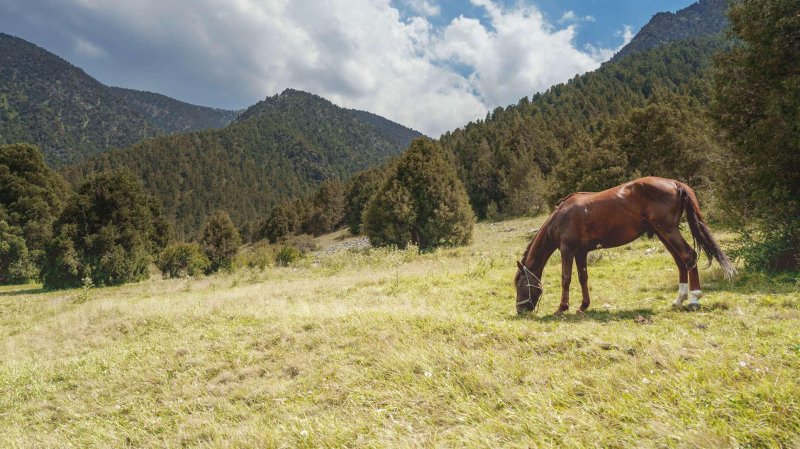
[(506, 160), (47, 101), (173, 116), (278, 149)]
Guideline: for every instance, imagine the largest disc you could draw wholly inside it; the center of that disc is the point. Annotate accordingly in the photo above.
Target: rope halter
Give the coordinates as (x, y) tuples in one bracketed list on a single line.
[(528, 273)]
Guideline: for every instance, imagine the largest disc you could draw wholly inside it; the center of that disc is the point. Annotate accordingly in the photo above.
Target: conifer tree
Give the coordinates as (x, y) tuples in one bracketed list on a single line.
[(757, 103), (110, 231), (220, 240), (423, 202), (31, 197)]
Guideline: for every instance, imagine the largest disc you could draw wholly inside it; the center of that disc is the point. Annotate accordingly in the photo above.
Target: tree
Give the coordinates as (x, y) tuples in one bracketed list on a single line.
[(282, 222), (757, 103), (360, 188), (109, 231), (423, 201), (219, 240), (31, 197), (587, 167), (328, 211)]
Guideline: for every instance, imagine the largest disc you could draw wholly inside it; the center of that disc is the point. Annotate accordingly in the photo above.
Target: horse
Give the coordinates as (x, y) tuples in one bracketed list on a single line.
[(585, 221)]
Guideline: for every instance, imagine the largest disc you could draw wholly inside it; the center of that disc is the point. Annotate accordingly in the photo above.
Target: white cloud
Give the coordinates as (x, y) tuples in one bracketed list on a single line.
[(424, 7), (88, 49), (570, 16), (357, 53)]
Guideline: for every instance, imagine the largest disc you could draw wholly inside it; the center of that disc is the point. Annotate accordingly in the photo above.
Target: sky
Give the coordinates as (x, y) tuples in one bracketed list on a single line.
[(432, 65)]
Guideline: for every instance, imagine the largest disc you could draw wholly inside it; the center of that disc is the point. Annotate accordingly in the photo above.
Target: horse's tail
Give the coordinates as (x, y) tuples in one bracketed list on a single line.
[(700, 232)]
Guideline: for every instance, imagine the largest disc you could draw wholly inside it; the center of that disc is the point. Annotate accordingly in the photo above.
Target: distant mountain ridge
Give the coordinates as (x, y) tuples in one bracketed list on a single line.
[(174, 116), (698, 19), (278, 149), (71, 116)]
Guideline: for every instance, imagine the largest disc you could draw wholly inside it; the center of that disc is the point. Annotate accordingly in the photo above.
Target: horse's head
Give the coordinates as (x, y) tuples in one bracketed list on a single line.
[(529, 289)]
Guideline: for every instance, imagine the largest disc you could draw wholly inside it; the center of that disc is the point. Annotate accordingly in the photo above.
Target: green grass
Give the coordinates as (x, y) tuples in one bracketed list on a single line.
[(394, 349)]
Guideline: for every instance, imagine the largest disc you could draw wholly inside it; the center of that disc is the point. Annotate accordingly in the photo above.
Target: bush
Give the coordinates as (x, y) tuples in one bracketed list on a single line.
[(182, 259), (220, 240), (109, 231), (259, 255), (286, 255), (423, 202)]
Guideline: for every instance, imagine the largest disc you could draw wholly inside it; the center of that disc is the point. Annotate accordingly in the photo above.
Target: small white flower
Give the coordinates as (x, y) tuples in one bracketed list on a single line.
[(304, 433), (428, 374), (645, 380), (743, 364)]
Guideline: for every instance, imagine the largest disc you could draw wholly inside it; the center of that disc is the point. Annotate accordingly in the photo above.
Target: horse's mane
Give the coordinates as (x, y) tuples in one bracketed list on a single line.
[(544, 228)]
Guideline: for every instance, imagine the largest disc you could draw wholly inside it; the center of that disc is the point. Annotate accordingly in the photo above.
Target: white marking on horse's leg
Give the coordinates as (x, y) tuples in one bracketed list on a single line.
[(694, 297), (683, 293)]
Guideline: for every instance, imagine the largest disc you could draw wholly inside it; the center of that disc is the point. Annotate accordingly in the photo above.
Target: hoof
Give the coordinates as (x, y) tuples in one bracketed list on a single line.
[(693, 306), (580, 314), (559, 312)]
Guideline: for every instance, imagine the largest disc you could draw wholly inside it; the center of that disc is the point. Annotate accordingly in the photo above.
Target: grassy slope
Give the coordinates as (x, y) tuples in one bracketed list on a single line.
[(392, 349)]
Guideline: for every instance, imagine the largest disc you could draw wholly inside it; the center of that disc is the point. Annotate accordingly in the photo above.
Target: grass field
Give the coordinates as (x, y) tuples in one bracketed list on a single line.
[(395, 349)]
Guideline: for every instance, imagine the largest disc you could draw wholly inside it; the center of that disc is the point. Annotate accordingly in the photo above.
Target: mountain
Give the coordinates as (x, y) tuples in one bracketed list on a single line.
[(698, 19), (278, 149), (47, 101), (173, 116), (507, 160)]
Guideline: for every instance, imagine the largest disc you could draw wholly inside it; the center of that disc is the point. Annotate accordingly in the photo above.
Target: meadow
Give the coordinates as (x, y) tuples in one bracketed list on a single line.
[(382, 348)]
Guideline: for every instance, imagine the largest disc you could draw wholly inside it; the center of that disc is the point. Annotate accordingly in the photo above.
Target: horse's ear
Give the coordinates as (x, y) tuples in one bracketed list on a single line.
[(519, 265)]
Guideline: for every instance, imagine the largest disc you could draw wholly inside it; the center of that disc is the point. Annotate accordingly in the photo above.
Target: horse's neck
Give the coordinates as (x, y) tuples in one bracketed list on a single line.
[(541, 250)]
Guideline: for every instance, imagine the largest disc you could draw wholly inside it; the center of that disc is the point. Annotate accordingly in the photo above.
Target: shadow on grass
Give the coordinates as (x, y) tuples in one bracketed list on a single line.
[(25, 291), (603, 316)]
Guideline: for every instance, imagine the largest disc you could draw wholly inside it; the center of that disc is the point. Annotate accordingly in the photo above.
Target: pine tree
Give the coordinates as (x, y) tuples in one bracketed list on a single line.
[(360, 189), (757, 103), (423, 202), (110, 231), (220, 240), (31, 197)]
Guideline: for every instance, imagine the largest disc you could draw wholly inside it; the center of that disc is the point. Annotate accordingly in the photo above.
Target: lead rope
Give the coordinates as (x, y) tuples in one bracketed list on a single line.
[(528, 272)]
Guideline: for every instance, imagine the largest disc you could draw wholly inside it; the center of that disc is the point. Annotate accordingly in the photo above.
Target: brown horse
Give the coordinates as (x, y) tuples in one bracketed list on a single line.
[(587, 221)]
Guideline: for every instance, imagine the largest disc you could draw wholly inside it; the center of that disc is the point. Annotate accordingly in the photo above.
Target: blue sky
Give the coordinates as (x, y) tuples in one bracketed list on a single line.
[(430, 64)]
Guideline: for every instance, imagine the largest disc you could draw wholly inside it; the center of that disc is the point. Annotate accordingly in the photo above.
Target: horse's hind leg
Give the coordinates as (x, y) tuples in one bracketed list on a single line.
[(583, 277), (688, 258), (683, 274)]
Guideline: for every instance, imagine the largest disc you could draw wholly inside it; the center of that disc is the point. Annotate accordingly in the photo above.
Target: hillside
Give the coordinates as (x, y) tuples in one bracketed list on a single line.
[(702, 18), (173, 116), (278, 149), (47, 101), (385, 348), (506, 159)]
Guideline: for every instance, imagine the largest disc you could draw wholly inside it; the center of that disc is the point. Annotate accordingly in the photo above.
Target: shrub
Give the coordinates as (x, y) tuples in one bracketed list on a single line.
[(220, 240), (182, 259), (286, 255), (423, 202), (109, 231), (259, 255)]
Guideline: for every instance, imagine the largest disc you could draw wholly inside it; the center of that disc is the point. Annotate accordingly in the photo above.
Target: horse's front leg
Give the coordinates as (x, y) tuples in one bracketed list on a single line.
[(583, 278), (567, 257)]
